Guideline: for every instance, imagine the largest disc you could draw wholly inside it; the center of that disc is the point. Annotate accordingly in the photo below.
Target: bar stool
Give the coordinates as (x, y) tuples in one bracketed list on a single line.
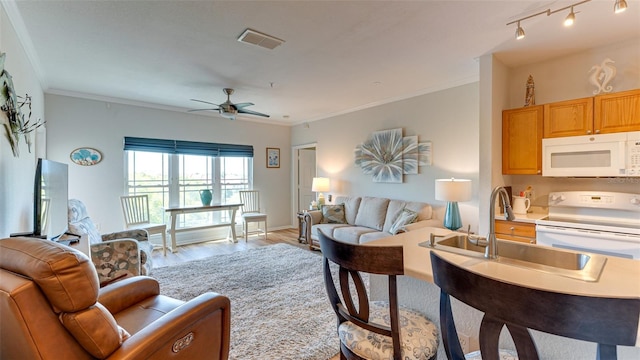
[(373, 330), (606, 321)]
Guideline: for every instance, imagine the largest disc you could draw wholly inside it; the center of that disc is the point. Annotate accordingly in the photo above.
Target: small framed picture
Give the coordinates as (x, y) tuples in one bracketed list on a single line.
[(273, 157)]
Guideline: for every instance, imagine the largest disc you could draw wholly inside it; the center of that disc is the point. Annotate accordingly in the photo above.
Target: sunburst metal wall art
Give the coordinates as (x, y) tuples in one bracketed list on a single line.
[(387, 155)]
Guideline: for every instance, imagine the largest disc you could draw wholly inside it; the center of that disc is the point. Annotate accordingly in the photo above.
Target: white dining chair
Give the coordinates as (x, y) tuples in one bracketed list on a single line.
[(135, 209), (251, 212)]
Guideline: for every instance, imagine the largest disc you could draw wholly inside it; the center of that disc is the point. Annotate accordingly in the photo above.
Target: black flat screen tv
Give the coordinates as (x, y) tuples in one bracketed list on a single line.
[(50, 199)]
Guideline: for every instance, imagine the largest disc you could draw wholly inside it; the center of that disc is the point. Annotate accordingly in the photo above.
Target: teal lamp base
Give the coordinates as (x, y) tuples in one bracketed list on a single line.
[(452, 220)]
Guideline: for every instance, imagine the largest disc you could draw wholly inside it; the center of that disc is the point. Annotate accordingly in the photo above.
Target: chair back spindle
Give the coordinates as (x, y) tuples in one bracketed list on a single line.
[(135, 209), (250, 200)]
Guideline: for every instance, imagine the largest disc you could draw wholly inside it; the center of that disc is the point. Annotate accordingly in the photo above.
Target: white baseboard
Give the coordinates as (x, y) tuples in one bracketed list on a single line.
[(204, 235)]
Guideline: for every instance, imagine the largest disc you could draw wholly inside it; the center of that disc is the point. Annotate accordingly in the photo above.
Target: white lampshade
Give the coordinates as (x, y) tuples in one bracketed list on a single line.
[(320, 184), (453, 189)]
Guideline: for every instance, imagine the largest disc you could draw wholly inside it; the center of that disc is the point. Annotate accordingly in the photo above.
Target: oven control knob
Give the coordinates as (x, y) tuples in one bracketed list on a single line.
[(557, 197), (635, 201)]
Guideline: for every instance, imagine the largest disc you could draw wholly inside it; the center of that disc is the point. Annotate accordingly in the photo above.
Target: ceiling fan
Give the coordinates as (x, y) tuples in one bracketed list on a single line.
[(228, 109)]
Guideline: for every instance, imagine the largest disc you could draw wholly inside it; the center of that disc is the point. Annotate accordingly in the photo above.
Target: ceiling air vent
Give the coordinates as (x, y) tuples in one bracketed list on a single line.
[(257, 38)]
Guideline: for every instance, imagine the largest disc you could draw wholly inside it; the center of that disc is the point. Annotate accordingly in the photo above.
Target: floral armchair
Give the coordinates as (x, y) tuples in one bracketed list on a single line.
[(115, 255)]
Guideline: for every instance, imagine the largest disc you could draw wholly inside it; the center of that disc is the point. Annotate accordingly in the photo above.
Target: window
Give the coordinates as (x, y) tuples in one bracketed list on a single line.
[(148, 173), (176, 179)]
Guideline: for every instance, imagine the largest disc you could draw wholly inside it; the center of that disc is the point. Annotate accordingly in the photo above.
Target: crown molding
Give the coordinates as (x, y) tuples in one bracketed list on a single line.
[(11, 8)]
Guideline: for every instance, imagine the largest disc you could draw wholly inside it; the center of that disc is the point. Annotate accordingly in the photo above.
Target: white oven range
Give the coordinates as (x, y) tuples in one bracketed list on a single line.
[(593, 221)]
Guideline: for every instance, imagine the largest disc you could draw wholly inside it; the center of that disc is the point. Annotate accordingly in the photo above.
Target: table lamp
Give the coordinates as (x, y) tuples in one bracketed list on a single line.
[(320, 185), (453, 190)]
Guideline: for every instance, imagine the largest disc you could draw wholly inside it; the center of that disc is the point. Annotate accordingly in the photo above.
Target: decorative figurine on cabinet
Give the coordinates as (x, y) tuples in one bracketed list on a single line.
[(530, 97)]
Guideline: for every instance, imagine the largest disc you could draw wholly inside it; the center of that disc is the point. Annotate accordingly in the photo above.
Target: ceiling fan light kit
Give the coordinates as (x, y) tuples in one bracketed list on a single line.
[(228, 109), (619, 6)]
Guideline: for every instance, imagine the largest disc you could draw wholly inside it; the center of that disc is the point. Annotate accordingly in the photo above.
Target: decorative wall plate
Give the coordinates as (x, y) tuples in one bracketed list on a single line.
[(86, 156)]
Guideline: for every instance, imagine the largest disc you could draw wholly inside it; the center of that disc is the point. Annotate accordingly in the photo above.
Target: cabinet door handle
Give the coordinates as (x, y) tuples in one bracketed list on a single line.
[(588, 132), (539, 171), (597, 131)]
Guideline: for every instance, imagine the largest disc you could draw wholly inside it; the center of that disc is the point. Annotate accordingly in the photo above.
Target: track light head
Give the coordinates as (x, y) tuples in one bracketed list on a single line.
[(519, 32), (570, 19), (620, 6)]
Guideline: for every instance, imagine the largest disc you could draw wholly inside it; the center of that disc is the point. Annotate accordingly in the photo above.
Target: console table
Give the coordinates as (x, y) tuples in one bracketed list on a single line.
[(175, 211)]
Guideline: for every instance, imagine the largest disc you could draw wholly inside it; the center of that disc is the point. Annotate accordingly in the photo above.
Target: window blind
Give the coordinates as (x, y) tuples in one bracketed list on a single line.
[(187, 147)]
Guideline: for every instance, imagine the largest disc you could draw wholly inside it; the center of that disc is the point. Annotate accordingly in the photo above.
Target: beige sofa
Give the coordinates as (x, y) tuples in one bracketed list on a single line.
[(367, 219)]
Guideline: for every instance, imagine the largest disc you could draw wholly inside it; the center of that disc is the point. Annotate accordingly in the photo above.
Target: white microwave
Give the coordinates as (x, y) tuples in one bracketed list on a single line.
[(602, 155)]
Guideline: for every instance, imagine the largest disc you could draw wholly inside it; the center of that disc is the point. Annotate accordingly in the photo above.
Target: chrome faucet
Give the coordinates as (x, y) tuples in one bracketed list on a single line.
[(432, 239), (492, 247)]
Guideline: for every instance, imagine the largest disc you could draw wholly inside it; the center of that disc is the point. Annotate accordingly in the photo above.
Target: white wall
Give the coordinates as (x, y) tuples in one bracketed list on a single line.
[(76, 122), (448, 118), (493, 98), (17, 173)]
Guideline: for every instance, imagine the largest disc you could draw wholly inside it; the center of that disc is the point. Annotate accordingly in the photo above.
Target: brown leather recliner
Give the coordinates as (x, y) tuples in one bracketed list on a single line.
[(51, 307)]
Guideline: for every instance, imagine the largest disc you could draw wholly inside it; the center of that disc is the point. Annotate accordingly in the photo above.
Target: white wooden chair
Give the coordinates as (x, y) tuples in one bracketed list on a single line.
[(135, 209), (251, 212)]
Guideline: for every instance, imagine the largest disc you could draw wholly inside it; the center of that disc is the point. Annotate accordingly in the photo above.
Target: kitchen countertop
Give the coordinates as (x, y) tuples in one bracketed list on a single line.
[(526, 218), (619, 277)]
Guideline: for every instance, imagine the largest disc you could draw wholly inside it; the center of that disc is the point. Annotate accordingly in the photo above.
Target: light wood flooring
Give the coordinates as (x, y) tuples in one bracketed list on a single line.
[(206, 249)]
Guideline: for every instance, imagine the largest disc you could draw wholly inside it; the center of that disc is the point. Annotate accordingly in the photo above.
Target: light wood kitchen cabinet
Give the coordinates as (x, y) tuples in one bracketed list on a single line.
[(522, 140), (617, 112), (516, 231), (568, 118)]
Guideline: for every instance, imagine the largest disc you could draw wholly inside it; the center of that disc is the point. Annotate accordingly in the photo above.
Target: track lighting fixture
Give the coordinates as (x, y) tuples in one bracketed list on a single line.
[(570, 19), (519, 32), (620, 6)]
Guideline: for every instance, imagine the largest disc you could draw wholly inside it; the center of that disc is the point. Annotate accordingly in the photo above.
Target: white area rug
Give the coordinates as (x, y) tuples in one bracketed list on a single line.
[(279, 306)]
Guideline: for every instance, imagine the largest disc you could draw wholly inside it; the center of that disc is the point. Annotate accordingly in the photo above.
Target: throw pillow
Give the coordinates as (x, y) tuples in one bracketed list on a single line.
[(404, 218), (333, 214)]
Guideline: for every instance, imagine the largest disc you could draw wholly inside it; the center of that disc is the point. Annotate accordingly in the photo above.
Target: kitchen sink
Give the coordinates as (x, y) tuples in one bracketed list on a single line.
[(576, 265)]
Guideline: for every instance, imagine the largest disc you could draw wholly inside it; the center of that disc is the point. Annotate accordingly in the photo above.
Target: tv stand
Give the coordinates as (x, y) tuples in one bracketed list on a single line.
[(28, 234), (80, 242)]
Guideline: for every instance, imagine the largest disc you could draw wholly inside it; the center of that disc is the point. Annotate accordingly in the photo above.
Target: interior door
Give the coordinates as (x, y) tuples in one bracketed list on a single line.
[(306, 173)]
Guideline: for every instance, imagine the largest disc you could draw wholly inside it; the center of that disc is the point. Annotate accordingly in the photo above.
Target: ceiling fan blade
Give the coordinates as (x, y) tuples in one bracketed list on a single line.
[(243, 111), (244, 104), (206, 102), (192, 110)]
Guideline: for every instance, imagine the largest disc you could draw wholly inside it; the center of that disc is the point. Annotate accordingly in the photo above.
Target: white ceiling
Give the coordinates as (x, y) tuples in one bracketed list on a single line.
[(338, 56)]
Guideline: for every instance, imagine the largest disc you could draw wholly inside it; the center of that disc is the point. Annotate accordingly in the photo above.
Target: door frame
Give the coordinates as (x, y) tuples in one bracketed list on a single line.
[(295, 176)]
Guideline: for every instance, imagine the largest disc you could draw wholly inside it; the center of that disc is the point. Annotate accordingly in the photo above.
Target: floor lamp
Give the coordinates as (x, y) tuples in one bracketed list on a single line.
[(320, 185), (452, 191)]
